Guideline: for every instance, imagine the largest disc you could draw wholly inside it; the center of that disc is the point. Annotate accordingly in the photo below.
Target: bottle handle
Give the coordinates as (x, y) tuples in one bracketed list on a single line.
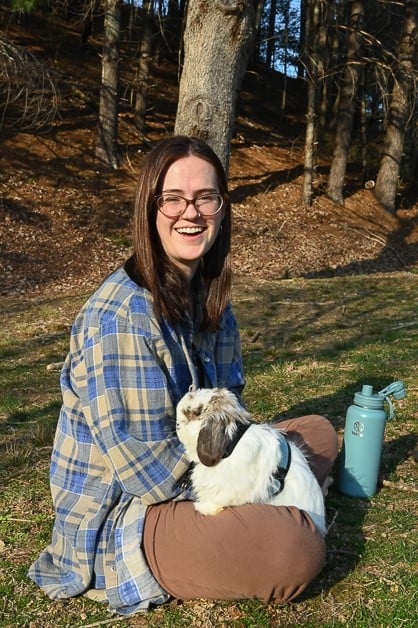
[(397, 389), (390, 404)]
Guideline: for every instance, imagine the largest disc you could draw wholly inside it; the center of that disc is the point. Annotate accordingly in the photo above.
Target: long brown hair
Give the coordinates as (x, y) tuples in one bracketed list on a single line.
[(151, 267)]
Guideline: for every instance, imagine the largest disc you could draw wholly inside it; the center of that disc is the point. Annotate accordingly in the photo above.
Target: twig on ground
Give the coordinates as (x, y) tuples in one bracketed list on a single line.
[(106, 622), (399, 486)]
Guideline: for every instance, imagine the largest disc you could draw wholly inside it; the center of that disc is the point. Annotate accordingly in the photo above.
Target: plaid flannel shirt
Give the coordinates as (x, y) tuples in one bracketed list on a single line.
[(115, 450)]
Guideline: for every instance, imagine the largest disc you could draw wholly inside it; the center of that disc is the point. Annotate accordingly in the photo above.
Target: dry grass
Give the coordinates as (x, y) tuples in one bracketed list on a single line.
[(308, 345)]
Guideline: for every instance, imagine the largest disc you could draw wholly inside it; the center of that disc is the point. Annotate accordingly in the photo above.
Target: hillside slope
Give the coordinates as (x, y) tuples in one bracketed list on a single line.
[(65, 219)]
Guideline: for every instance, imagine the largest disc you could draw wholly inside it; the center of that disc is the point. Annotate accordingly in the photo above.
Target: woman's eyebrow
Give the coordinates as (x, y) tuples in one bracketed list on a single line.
[(200, 191)]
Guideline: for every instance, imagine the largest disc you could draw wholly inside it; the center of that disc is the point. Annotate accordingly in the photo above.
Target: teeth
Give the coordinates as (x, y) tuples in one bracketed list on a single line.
[(190, 230)]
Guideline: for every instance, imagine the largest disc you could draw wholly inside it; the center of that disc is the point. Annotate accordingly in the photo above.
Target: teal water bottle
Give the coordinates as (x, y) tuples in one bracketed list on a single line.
[(363, 439)]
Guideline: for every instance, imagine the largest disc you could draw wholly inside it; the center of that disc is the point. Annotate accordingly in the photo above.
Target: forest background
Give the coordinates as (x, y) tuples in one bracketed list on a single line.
[(325, 275), (81, 91)]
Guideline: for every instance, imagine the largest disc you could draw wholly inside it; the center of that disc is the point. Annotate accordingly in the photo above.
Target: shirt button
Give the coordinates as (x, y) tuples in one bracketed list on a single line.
[(207, 359)]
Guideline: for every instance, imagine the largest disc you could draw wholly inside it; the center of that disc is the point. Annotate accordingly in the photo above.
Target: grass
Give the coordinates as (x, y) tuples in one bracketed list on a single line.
[(308, 346)]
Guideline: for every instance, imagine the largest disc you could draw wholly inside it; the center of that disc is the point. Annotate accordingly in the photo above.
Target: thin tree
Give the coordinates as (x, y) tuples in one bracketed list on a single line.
[(401, 110), (271, 34), (328, 52), (287, 43), (348, 103), (107, 140), (301, 69), (144, 67), (312, 27), (217, 44)]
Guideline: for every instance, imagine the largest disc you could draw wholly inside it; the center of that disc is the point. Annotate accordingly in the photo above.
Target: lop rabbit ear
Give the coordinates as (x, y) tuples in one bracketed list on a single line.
[(212, 441)]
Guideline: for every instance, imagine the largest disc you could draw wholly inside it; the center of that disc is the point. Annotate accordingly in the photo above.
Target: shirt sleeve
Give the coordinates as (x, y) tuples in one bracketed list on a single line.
[(231, 355), (123, 390)]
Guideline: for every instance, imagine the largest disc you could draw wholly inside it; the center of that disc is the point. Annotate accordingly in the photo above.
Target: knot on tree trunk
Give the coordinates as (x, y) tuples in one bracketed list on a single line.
[(201, 110), (231, 6)]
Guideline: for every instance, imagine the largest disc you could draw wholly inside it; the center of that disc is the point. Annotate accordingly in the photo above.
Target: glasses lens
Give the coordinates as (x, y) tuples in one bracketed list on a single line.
[(172, 205), (208, 204)]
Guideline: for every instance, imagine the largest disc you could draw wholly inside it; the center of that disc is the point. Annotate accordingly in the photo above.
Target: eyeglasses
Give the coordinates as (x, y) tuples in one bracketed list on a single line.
[(173, 205)]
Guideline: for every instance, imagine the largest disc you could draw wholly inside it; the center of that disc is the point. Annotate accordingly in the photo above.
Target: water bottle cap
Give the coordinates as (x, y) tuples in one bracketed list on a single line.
[(367, 399)]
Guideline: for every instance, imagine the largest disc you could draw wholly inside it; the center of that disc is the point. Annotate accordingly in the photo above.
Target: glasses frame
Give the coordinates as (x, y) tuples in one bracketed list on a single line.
[(190, 201)]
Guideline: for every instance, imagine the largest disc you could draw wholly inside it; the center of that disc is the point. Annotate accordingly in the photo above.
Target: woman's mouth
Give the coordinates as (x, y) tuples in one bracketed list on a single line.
[(190, 230)]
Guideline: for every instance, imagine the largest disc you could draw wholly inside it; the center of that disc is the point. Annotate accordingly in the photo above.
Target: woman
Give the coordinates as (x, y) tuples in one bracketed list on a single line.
[(125, 530)]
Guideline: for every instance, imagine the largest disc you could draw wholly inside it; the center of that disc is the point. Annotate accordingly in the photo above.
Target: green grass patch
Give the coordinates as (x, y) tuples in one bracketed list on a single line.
[(308, 345)]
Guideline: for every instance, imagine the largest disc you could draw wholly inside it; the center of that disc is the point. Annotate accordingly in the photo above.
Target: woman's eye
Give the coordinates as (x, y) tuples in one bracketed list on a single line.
[(207, 198), (172, 199)]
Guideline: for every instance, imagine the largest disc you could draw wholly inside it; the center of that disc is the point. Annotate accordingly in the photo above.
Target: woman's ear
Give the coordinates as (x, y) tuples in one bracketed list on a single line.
[(212, 441)]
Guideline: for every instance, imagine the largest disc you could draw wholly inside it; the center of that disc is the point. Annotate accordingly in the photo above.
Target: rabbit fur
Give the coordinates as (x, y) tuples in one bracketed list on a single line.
[(227, 471)]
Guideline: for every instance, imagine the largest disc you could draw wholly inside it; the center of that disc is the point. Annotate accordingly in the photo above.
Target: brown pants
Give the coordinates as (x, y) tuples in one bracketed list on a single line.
[(251, 551)]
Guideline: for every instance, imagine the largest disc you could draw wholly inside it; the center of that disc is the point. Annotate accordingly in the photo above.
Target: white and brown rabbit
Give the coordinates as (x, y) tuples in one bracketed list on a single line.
[(236, 461)]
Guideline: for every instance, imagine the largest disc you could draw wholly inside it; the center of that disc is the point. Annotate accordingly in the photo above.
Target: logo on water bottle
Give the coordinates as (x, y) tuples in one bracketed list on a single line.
[(358, 429)]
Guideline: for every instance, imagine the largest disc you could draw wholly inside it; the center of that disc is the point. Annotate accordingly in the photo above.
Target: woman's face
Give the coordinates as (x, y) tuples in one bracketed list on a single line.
[(187, 238)]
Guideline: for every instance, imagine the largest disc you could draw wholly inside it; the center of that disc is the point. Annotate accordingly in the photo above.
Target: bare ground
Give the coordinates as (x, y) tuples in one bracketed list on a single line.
[(65, 218)]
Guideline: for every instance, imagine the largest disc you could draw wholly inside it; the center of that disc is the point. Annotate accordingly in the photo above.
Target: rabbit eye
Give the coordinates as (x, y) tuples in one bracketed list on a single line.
[(196, 412), (192, 414)]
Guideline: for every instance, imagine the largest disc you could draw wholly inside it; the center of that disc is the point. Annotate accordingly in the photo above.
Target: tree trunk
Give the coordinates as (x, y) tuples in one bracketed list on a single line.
[(217, 44), (363, 129), (301, 70), (144, 70), (411, 150), (271, 35), (401, 110), (173, 11), (328, 54), (286, 23), (351, 76), (312, 25), (255, 56), (107, 142), (87, 26)]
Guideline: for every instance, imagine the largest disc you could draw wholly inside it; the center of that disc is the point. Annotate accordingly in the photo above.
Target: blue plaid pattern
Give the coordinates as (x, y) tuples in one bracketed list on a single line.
[(115, 450)]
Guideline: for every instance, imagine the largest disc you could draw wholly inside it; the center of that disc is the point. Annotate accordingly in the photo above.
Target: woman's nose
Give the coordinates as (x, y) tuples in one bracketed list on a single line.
[(190, 212)]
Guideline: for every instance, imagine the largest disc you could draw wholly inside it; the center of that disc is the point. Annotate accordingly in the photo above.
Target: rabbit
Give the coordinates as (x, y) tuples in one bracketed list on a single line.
[(237, 461)]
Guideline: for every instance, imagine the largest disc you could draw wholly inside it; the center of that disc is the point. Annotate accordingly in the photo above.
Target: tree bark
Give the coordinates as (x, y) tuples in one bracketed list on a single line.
[(271, 34), (107, 142), (400, 111), (217, 44), (144, 69), (301, 70), (312, 25), (351, 76), (328, 52)]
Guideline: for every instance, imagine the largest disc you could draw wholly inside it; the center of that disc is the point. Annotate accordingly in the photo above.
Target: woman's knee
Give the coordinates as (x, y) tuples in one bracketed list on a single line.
[(303, 553), (320, 442), (252, 551)]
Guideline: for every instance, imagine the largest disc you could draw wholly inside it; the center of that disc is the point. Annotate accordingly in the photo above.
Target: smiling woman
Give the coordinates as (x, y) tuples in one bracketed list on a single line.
[(190, 212), (125, 529), (162, 262)]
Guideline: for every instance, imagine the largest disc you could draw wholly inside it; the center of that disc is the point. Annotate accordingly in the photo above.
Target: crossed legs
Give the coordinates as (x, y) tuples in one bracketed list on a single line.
[(251, 551)]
